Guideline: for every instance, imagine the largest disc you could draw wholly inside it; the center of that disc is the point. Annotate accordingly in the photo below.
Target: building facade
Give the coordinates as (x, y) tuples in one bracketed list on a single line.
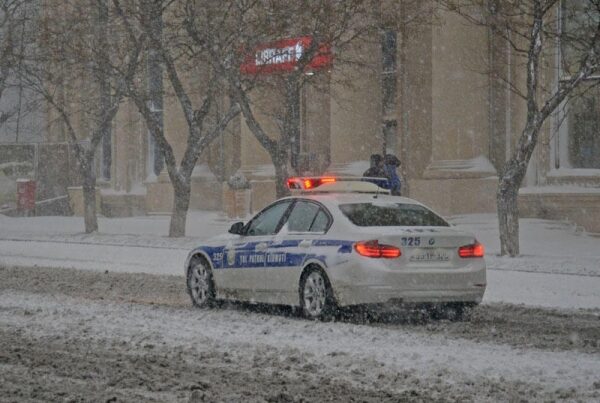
[(429, 93)]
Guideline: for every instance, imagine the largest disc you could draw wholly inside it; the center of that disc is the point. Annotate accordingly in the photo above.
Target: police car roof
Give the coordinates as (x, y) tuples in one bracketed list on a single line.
[(335, 199), (332, 191)]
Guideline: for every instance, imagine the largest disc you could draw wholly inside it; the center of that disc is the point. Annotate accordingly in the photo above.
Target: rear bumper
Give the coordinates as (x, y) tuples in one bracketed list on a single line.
[(356, 284), (375, 295)]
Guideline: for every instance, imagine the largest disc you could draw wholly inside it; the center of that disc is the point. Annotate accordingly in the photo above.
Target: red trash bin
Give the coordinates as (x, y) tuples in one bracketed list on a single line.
[(26, 196)]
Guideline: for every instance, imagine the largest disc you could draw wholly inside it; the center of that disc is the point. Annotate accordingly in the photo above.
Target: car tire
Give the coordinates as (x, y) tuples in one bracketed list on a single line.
[(316, 295), (200, 284)]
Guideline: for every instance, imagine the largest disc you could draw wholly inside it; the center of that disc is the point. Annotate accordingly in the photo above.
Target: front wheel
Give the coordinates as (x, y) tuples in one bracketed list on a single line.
[(200, 283), (316, 295)]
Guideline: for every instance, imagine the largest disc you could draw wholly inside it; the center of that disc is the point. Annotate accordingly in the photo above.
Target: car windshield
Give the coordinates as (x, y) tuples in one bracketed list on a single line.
[(391, 214)]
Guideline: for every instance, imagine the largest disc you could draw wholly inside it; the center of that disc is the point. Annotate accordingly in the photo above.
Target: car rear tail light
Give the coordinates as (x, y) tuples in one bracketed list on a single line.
[(376, 250), (473, 250)]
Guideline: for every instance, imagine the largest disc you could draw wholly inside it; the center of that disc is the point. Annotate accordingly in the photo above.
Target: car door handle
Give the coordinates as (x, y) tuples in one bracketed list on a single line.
[(305, 244), (261, 247)]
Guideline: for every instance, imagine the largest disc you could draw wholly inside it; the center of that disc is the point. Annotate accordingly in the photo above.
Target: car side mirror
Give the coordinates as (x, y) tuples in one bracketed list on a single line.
[(236, 228)]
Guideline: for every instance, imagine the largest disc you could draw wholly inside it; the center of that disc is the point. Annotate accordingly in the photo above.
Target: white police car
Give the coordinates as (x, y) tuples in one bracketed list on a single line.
[(340, 243)]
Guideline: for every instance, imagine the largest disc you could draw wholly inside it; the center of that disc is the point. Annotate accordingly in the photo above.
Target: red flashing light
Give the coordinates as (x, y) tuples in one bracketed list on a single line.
[(308, 183), (292, 183), (376, 250), (473, 250)]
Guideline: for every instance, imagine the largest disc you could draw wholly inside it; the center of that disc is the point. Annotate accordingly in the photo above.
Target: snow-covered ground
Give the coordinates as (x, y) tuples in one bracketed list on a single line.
[(546, 246), (262, 347), (560, 265), (107, 331)]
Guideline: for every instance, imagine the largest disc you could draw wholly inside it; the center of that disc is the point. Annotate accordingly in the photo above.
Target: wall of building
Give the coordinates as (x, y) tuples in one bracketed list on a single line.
[(456, 127), (316, 127), (445, 108), (459, 90), (356, 105)]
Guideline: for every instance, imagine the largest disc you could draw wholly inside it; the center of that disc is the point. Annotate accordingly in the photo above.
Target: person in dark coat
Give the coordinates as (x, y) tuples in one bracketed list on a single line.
[(376, 170), (390, 164), (376, 173)]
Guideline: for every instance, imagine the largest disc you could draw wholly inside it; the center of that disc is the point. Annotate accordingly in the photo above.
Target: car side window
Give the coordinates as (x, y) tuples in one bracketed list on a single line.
[(302, 216), (320, 223), (267, 221)]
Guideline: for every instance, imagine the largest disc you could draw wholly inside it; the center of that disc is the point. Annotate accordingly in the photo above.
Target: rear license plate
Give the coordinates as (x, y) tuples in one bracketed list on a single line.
[(431, 255)]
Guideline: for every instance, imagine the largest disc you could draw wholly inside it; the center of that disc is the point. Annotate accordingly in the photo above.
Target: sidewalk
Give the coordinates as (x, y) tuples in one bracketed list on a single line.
[(560, 266)]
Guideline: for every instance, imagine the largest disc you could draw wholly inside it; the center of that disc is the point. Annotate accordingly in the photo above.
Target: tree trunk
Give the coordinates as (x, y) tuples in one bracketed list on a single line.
[(291, 126), (281, 176), (89, 199), (508, 189), (508, 216), (181, 203)]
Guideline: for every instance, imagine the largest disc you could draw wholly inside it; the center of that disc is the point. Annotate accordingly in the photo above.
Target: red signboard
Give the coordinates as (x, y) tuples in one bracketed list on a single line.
[(283, 56)]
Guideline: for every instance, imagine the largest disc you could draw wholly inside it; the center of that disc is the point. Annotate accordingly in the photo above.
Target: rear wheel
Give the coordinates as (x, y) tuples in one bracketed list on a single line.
[(200, 283), (316, 295)]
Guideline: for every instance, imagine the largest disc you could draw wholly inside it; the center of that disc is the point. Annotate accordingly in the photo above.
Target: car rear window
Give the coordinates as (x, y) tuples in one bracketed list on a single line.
[(391, 215)]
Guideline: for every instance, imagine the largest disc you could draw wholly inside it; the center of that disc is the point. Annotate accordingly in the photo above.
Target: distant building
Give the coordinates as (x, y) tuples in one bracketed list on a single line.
[(24, 111), (428, 94)]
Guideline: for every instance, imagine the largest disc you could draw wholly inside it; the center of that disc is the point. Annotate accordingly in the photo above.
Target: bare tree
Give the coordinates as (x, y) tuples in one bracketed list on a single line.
[(332, 29), (231, 35), (530, 28), (83, 81), (178, 61)]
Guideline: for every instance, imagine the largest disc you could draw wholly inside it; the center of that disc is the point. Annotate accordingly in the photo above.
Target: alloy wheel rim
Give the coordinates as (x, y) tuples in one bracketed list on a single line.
[(199, 283), (315, 294)]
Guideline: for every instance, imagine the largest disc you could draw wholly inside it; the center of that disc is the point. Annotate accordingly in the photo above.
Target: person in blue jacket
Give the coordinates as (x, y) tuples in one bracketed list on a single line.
[(391, 164)]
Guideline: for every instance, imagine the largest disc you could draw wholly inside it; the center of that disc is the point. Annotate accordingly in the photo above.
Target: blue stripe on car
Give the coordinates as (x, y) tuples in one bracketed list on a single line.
[(247, 257), (286, 244)]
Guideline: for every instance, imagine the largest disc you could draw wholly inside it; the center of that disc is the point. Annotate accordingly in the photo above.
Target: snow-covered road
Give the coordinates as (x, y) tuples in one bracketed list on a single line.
[(79, 336), (108, 330)]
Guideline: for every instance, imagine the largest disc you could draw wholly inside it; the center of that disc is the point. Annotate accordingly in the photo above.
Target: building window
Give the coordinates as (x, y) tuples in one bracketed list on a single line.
[(388, 76), (388, 90), (583, 126), (154, 77), (579, 118), (106, 152)]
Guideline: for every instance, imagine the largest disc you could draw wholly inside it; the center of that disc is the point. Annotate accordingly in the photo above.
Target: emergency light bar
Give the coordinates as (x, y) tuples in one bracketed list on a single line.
[(309, 183), (338, 184)]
